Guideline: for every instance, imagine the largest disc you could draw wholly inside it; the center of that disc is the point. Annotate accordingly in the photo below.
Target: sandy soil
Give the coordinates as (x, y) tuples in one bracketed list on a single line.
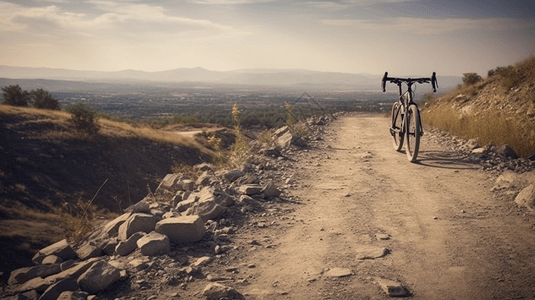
[(446, 235)]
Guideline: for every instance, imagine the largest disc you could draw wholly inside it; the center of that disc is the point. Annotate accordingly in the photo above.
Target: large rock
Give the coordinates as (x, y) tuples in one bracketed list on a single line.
[(507, 152), (60, 249), (270, 190), (123, 248), (98, 277), (183, 229), (136, 223), (73, 295), (153, 244), (53, 291), (207, 210), (22, 275), (250, 189), (232, 175), (527, 197), (112, 227), (88, 250), (169, 184), (216, 291)]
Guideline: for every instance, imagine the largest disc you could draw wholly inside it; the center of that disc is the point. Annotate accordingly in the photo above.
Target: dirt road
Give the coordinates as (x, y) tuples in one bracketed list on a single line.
[(433, 226)]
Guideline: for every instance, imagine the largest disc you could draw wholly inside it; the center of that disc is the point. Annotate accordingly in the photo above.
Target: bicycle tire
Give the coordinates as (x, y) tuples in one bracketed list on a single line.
[(413, 133), (395, 130)]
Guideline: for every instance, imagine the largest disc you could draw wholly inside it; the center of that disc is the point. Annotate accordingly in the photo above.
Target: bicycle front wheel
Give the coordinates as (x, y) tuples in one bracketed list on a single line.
[(395, 130), (413, 132)]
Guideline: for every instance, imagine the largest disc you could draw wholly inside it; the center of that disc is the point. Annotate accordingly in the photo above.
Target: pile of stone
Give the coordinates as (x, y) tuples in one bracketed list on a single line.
[(181, 211)]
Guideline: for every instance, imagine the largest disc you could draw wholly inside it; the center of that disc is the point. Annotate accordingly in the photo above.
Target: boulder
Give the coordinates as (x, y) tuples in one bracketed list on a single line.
[(123, 248), (88, 250), (136, 223), (205, 179), (507, 152), (98, 277), (112, 227), (183, 229), (270, 190), (153, 244), (526, 197), (73, 295), (207, 210), (53, 291), (250, 189), (169, 184), (216, 291), (140, 207), (186, 185), (232, 175), (186, 204), (22, 275), (60, 249), (109, 247), (204, 167)]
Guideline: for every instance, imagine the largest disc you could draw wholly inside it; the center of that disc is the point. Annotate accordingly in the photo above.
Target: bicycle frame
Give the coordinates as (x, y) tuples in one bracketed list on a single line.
[(406, 124)]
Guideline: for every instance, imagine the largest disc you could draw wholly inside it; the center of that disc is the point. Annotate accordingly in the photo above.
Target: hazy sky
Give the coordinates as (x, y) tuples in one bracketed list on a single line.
[(403, 37)]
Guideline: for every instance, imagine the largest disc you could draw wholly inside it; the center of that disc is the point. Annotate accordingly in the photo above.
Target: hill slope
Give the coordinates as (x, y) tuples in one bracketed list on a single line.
[(497, 110), (48, 169)]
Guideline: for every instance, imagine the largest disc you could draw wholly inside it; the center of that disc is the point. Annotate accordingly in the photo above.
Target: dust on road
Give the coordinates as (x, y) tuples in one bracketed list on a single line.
[(437, 227)]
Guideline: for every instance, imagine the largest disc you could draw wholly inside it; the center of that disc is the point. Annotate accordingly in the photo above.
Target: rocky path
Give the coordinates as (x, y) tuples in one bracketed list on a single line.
[(372, 224)]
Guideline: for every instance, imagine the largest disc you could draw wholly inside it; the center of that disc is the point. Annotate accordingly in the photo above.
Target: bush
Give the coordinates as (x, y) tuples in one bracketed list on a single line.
[(14, 95), (83, 118), (471, 78), (43, 99), (509, 76)]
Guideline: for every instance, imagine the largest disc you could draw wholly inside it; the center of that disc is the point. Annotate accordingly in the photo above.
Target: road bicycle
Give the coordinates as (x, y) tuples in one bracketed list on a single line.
[(406, 126)]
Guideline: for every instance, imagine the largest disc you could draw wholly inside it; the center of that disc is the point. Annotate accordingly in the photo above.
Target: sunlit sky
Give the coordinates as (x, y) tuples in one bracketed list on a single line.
[(403, 37)]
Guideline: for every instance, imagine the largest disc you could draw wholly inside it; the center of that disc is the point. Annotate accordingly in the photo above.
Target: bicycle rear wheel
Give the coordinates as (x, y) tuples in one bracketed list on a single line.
[(395, 130), (412, 134)]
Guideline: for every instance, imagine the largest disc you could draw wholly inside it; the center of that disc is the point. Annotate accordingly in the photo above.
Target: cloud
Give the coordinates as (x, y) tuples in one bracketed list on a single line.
[(425, 26), (103, 15), (228, 2)]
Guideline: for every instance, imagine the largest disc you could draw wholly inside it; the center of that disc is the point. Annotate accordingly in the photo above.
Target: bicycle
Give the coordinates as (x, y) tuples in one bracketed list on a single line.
[(406, 122)]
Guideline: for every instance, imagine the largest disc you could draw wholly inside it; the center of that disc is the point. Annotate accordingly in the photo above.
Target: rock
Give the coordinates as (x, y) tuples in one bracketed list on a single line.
[(52, 259), (205, 179), (73, 295), (60, 249), (98, 277), (186, 204), (284, 140), (472, 144), (88, 250), (507, 152), (30, 295), (250, 189), (169, 184), (136, 223), (393, 288), (271, 152), (125, 247), (480, 150), (204, 167), (109, 247), (140, 207), (22, 275), (75, 270), (37, 284), (232, 175), (183, 229), (216, 291), (270, 190), (186, 185), (370, 252), (53, 291), (250, 203), (206, 210), (203, 261), (338, 272), (153, 244), (526, 197), (113, 226)]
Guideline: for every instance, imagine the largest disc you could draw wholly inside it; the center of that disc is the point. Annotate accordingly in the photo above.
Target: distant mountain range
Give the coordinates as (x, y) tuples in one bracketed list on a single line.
[(296, 78)]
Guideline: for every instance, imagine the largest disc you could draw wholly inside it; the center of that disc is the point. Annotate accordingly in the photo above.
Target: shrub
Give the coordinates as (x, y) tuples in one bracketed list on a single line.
[(83, 118), (509, 76), (471, 78), (14, 95), (43, 99)]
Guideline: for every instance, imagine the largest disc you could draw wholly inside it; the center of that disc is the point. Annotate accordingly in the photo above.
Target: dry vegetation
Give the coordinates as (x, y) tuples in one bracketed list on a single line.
[(499, 109)]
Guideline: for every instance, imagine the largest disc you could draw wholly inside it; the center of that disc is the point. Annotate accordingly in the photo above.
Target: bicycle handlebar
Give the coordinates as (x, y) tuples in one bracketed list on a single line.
[(410, 81)]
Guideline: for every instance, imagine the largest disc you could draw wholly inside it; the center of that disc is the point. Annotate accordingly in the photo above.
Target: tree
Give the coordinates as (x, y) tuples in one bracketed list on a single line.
[(43, 99), (14, 95), (84, 118), (470, 78)]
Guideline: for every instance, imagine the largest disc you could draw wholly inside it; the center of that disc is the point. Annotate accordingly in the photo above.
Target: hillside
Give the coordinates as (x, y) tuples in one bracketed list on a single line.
[(48, 171), (497, 110)]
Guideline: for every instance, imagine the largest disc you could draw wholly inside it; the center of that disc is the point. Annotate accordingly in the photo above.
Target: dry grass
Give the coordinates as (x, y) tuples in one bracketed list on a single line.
[(108, 128), (490, 127)]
